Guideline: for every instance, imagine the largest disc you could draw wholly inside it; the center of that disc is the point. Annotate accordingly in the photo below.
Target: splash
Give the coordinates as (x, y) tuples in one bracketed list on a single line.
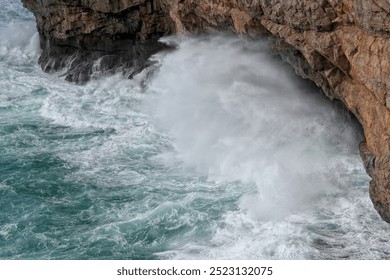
[(224, 155), (237, 113), (19, 43)]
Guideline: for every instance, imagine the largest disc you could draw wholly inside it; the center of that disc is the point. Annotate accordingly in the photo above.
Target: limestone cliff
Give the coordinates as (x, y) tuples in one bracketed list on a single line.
[(342, 45)]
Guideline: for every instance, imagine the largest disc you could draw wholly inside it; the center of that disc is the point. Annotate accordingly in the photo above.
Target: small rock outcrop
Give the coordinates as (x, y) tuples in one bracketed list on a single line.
[(341, 45), (92, 37)]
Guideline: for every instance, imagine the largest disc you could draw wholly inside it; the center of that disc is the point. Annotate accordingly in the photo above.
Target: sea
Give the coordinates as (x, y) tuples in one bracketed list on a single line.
[(219, 151)]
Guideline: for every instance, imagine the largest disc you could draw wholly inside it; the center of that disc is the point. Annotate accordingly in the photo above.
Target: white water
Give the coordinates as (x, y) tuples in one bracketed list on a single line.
[(225, 154), (236, 113)]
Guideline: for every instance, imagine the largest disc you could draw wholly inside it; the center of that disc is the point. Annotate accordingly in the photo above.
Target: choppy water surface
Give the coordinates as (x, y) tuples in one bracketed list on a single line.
[(225, 154)]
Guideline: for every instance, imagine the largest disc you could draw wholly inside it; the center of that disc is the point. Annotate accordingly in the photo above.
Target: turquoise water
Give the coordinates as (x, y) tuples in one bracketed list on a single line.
[(224, 154)]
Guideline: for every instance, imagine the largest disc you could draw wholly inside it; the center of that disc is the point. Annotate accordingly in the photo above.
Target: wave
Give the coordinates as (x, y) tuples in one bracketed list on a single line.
[(236, 113), (19, 43)]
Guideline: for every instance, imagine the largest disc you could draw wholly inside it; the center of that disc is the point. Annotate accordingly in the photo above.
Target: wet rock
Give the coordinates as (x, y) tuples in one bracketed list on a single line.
[(74, 35)]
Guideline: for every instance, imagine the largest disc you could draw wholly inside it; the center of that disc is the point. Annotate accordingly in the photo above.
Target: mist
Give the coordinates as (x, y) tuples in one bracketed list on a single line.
[(236, 112)]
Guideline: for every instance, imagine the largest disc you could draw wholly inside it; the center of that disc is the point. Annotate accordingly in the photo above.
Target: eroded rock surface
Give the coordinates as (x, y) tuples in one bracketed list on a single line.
[(342, 45), (91, 36)]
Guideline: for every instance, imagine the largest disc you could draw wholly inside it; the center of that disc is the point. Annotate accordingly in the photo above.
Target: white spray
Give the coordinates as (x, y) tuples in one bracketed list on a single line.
[(236, 113)]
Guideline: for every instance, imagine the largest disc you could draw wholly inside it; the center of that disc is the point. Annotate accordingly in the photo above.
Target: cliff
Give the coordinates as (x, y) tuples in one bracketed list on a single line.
[(342, 45)]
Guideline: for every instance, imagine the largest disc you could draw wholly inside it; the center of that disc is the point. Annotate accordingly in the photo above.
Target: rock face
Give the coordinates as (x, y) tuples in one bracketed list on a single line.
[(88, 37), (342, 45)]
